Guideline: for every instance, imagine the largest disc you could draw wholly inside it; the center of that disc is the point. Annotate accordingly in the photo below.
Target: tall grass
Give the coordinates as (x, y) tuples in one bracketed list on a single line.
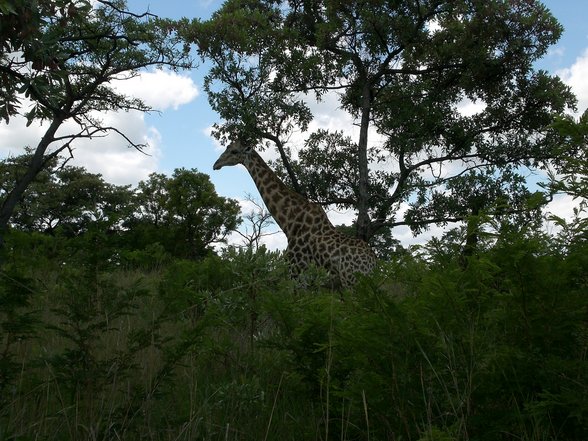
[(227, 348)]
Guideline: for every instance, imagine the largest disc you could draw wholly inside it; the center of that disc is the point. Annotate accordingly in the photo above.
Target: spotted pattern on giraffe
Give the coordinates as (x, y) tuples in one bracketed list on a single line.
[(312, 238)]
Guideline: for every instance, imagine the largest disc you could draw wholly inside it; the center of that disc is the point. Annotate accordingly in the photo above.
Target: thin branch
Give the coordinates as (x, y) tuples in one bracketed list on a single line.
[(337, 201), (138, 146), (285, 160), (35, 93), (125, 12), (420, 223)]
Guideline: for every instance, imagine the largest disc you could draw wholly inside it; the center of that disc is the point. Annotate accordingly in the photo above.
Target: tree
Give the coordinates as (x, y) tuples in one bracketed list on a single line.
[(257, 220), (182, 212), (58, 62), (65, 199), (572, 162), (401, 70), (201, 217), (569, 175)]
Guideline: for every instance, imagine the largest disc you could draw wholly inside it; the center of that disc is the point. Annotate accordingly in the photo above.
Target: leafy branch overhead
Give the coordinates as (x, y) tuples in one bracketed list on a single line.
[(66, 58), (60, 62), (572, 162), (402, 71)]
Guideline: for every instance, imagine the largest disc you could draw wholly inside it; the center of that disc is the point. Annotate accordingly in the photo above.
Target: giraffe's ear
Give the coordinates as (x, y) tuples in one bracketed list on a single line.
[(246, 146), (246, 142)]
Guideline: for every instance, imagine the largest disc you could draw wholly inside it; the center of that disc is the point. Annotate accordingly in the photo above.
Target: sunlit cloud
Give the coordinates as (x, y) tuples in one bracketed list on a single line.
[(575, 77), (110, 154), (159, 89)]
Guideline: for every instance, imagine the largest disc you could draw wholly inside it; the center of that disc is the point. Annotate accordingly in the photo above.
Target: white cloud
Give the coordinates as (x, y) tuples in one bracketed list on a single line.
[(467, 107), (575, 77), (275, 242), (111, 155), (16, 135), (563, 206), (159, 89)]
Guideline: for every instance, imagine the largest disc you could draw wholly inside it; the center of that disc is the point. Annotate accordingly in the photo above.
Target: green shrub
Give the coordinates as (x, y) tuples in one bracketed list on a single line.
[(227, 347)]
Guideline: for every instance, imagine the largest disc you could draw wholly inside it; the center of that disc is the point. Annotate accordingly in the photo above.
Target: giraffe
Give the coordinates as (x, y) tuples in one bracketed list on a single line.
[(312, 238)]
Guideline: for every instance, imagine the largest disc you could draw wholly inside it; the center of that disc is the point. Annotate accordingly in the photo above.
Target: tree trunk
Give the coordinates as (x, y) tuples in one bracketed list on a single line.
[(286, 161), (35, 166), (472, 236), (363, 196)]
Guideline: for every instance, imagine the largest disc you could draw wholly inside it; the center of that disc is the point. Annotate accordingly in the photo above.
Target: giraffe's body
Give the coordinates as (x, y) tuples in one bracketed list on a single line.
[(312, 238)]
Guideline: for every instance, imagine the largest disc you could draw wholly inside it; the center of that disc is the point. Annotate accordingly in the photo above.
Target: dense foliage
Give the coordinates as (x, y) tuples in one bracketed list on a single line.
[(182, 213), (226, 347), (450, 110), (59, 62), (111, 330), (109, 334)]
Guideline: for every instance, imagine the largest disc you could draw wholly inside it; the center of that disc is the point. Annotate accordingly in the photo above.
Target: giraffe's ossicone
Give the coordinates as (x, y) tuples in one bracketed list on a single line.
[(312, 238)]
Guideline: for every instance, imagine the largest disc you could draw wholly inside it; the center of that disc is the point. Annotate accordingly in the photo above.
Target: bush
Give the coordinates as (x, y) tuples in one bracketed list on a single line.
[(495, 350), (227, 347)]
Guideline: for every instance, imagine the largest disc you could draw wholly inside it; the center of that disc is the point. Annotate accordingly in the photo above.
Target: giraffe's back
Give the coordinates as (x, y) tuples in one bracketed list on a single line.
[(344, 256), (341, 255)]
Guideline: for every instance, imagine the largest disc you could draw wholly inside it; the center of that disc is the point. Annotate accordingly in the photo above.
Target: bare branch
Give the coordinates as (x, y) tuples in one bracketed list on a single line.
[(125, 12)]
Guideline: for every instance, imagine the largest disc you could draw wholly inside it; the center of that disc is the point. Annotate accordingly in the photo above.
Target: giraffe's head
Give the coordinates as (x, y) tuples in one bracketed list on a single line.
[(236, 153)]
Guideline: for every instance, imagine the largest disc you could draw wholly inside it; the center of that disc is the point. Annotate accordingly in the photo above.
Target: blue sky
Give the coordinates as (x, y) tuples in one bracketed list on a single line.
[(572, 14), (179, 134), (184, 144)]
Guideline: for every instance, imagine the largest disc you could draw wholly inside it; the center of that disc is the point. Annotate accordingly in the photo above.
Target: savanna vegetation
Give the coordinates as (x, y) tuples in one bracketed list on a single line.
[(122, 317), (110, 334)]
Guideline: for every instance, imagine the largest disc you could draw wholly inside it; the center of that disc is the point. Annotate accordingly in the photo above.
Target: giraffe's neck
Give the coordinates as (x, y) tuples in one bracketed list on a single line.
[(285, 205)]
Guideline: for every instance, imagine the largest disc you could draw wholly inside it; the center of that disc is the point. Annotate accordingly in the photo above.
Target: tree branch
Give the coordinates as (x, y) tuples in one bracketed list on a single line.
[(285, 160), (125, 12)]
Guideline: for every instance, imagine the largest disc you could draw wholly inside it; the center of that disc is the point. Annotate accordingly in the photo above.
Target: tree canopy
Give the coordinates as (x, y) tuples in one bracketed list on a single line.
[(403, 72), (182, 212), (58, 62), (64, 199)]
